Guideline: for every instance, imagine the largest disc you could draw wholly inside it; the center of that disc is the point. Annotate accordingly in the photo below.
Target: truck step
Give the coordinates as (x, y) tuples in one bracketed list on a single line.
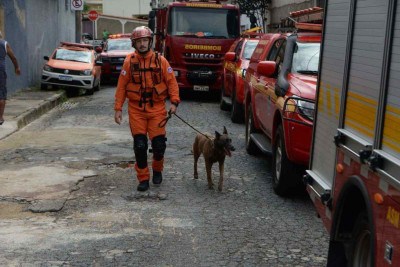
[(227, 100), (263, 143)]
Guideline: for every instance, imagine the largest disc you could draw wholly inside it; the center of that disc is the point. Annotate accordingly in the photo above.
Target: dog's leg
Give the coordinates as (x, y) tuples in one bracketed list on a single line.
[(196, 158), (208, 170), (221, 175)]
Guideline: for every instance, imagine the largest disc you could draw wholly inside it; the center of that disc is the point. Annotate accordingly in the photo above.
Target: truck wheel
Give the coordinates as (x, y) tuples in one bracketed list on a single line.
[(361, 247), (236, 110), (222, 105), (285, 173), (251, 147)]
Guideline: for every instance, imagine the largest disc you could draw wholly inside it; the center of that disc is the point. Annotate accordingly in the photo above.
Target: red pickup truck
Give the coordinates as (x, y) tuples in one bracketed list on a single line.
[(280, 88)]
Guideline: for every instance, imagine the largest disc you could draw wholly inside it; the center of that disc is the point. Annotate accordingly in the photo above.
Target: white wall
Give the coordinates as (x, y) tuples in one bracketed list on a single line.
[(126, 8)]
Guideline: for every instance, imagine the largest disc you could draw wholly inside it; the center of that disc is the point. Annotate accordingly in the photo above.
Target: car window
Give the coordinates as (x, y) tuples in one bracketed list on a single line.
[(281, 55), (306, 58), (239, 48), (119, 44), (73, 55), (249, 49), (274, 50)]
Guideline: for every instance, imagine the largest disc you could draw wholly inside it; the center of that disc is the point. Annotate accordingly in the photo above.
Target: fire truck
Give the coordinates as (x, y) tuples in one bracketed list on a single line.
[(354, 174), (194, 37)]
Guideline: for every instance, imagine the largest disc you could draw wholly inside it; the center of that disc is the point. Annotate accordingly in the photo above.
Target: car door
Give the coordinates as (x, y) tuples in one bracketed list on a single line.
[(268, 99), (230, 70)]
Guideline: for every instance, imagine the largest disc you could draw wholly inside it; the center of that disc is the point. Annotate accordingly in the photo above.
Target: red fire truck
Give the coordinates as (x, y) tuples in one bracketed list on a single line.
[(354, 174), (194, 36)]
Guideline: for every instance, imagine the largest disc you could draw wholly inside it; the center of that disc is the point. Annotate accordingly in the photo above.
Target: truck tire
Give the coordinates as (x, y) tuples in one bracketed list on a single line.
[(286, 174), (236, 110), (360, 251), (251, 147)]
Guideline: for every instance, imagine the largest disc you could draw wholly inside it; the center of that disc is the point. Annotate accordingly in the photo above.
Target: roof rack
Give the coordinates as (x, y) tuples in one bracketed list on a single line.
[(309, 19)]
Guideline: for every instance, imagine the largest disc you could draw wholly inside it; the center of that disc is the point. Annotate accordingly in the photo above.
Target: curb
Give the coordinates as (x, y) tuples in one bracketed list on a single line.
[(34, 113)]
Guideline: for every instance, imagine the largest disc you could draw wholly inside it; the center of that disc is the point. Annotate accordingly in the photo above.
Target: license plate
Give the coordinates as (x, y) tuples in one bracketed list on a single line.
[(204, 88), (118, 67), (65, 78)]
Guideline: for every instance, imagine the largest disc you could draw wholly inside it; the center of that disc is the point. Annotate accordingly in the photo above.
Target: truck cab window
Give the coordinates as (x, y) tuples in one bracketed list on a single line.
[(189, 22)]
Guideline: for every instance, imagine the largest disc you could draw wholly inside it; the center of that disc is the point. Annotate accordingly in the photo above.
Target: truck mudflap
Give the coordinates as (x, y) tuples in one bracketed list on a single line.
[(299, 110)]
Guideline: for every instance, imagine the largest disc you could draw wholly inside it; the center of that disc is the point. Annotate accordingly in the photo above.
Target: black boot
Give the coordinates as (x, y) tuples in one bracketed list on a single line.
[(157, 177), (143, 186)]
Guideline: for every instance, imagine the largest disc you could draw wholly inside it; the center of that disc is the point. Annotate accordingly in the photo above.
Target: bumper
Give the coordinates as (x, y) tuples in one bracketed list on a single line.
[(198, 80), (79, 81), (298, 142)]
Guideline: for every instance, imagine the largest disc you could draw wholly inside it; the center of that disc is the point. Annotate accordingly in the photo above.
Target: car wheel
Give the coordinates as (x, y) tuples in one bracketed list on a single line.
[(97, 88), (286, 175), (43, 86), (72, 92), (90, 91), (223, 105), (251, 147), (236, 110), (360, 250)]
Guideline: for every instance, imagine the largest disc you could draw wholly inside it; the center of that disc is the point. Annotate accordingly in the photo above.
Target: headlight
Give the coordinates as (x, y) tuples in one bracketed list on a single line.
[(306, 109), (86, 72), (47, 68)]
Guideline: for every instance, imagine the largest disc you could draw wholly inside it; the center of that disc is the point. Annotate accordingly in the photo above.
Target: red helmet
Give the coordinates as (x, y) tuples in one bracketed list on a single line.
[(141, 32)]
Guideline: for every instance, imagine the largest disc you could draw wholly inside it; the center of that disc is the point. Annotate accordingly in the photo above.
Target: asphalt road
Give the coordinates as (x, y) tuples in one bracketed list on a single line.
[(102, 221)]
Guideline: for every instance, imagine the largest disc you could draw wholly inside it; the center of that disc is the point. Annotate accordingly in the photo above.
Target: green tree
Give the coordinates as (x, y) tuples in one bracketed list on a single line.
[(255, 10)]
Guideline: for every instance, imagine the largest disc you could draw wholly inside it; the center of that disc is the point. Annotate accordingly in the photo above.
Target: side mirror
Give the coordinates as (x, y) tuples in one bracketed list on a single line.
[(46, 58), (152, 20), (266, 68), (99, 63), (230, 56)]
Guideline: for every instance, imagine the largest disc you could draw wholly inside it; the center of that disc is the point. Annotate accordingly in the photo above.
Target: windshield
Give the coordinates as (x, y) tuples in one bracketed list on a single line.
[(249, 48), (204, 22), (119, 44), (72, 55), (306, 58)]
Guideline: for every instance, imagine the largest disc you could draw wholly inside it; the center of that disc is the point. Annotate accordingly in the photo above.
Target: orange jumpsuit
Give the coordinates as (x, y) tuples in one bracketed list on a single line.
[(146, 81)]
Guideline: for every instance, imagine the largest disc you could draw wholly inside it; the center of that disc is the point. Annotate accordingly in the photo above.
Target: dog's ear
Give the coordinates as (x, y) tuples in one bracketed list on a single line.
[(217, 135), (225, 131)]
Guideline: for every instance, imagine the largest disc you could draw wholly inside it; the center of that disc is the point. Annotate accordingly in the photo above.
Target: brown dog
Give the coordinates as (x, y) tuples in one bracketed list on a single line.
[(213, 149)]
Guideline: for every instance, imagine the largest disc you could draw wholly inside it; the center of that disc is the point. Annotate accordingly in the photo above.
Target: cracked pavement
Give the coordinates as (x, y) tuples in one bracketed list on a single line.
[(69, 198)]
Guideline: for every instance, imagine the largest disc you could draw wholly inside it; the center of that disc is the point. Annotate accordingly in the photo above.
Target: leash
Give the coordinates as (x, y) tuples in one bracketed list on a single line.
[(164, 122)]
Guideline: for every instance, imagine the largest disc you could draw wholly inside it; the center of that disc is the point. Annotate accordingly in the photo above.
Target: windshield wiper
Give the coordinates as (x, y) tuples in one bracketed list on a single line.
[(314, 72)]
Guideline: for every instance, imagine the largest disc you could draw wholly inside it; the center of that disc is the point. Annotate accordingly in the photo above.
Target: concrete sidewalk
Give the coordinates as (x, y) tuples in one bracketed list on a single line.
[(27, 105)]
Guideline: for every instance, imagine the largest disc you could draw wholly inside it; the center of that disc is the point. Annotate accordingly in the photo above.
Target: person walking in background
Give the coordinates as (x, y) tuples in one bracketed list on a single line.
[(5, 50), (146, 79)]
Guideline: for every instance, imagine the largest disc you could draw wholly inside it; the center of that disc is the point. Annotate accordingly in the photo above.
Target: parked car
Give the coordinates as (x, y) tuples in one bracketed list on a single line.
[(87, 38), (72, 66), (116, 48), (235, 65), (280, 88)]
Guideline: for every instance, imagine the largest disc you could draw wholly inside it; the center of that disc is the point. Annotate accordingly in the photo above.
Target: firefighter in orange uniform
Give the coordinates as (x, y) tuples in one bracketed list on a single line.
[(146, 80)]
